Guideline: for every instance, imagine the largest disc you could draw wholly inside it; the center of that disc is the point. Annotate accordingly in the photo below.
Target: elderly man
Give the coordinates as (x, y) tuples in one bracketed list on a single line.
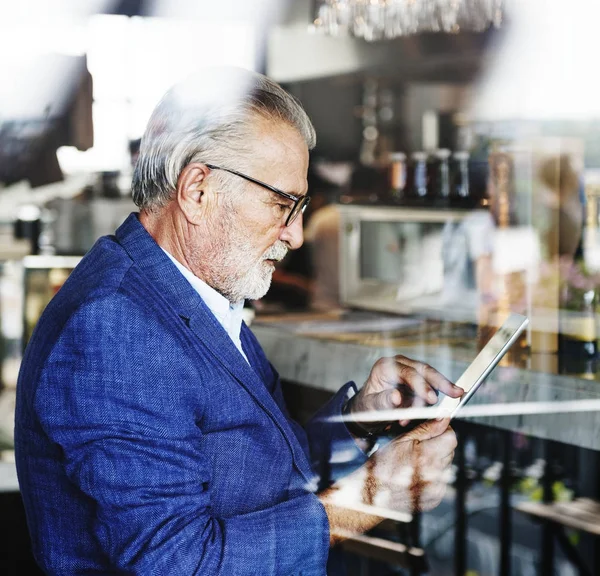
[(151, 432)]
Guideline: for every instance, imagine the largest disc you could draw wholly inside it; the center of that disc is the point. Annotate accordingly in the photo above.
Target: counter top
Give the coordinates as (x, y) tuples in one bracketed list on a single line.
[(310, 351)]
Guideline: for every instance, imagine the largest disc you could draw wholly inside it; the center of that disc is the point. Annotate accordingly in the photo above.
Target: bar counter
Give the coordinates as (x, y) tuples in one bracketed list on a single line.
[(322, 352)]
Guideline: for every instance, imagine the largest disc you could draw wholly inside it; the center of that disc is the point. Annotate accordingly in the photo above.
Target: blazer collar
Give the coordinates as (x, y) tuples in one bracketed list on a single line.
[(157, 267), (170, 284)]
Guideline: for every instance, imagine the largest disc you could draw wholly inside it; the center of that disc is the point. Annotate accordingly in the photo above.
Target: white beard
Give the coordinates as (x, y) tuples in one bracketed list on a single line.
[(255, 283), (231, 253)]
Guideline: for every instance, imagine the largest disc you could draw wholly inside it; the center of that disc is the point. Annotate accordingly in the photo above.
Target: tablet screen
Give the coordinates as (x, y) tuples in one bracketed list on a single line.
[(485, 362)]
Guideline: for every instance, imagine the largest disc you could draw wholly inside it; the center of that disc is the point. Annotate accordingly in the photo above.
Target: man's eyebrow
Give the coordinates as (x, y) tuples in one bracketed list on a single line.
[(296, 194), (277, 199)]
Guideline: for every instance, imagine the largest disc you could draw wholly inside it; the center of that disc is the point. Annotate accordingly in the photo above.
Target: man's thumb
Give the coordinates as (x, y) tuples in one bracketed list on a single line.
[(388, 399), (427, 430)]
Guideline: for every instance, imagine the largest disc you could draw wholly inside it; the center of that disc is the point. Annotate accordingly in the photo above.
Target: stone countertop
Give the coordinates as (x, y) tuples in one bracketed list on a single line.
[(326, 363)]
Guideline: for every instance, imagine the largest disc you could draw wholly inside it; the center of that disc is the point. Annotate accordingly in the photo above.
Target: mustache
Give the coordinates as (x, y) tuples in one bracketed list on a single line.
[(276, 252)]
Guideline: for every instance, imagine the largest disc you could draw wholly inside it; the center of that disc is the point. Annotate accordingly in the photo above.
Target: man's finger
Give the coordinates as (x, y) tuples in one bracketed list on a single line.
[(442, 445), (417, 383), (439, 448), (447, 460), (434, 378)]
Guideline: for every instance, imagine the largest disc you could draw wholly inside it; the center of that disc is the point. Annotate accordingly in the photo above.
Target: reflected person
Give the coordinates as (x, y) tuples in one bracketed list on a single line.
[(151, 433)]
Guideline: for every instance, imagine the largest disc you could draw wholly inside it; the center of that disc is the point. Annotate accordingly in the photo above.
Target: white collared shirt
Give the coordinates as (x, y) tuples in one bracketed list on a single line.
[(229, 315)]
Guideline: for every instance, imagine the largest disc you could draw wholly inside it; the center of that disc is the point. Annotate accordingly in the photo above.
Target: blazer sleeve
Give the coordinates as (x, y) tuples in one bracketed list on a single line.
[(332, 451), (108, 402)]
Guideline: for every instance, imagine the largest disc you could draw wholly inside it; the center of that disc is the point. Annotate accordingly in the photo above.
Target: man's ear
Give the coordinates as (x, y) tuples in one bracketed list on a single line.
[(191, 186)]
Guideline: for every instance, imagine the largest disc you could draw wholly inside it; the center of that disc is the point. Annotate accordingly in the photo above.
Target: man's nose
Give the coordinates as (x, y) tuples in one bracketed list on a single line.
[(293, 235)]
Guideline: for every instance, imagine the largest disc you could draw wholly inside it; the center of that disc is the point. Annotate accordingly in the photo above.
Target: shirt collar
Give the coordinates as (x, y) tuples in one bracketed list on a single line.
[(229, 315)]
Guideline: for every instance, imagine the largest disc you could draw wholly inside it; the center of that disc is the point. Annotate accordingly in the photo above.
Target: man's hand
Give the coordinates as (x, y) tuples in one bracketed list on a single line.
[(399, 382), (409, 474)]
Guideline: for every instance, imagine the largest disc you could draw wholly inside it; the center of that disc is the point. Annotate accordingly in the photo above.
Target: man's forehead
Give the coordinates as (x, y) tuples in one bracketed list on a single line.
[(280, 149), (278, 131)]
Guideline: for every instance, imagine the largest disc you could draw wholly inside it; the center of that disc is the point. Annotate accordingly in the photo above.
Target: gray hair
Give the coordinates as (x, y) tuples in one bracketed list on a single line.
[(209, 118)]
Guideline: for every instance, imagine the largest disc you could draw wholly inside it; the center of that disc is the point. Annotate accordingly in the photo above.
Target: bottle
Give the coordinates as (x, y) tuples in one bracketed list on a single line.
[(439, 176), (459, 176), (397, 175), (577, 343), (509, 285), (417, 177)]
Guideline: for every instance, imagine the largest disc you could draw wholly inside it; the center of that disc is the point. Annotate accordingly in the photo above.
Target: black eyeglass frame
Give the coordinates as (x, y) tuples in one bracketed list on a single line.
[(300, 202)]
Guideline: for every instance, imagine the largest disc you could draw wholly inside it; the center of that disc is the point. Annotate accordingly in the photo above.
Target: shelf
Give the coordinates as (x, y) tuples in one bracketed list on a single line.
[(581, 514)]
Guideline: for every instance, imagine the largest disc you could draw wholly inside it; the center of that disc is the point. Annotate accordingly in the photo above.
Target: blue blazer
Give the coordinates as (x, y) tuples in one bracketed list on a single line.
[(146, 444)]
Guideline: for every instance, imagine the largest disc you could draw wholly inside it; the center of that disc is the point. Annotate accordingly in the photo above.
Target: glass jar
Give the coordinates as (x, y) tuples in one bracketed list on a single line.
[(417, 176), (459, 175), (439, 175), (578, 339), (397, 175)]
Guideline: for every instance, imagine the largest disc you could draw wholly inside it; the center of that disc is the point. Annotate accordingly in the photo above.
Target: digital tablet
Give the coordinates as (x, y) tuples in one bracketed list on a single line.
[(484, 363), (474, 375)]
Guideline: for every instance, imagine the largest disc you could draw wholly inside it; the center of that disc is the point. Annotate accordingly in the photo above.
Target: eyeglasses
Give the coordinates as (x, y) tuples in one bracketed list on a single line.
[(300, 202)]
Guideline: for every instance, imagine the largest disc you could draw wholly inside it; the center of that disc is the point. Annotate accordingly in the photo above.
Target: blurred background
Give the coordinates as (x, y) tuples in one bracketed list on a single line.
[(455, 180)]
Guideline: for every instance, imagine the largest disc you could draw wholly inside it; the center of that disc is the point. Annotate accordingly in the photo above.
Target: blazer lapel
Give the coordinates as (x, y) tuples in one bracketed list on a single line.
[(224, 350), (171, 285)]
